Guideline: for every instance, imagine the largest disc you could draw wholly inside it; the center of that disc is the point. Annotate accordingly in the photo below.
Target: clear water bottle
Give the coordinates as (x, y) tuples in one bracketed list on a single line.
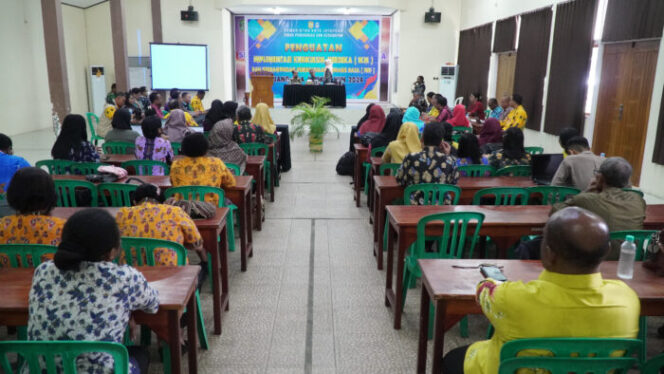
[(627, 255), (602, 155)]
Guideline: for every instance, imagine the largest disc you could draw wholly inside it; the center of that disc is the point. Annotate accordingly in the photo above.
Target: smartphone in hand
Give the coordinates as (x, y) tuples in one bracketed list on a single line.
[(493, 272)]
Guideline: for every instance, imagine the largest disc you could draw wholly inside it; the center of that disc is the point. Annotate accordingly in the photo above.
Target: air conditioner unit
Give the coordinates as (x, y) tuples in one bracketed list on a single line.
[(448, 81), (96, 88)]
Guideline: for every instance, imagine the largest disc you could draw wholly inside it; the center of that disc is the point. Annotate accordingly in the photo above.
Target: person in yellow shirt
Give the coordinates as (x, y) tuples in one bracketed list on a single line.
[(149, 218), (517, 117), (197, 102), (570, 298), (197, 169), (189, 120), (104, 124), (32, 195)]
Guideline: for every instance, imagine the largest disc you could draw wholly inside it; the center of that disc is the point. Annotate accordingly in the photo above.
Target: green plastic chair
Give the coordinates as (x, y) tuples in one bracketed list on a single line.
[(116, 194), (515, 171), (26, 255), (260, 149), (557, 365), (571, 353), (641, 238), (176, 148), (146, 167), (392, 168), (375, 152), (86, 168), (475, 171), (143, 255), (433, 193), (633, 190), (462, 129), (653, 365), (234, 168), (40, 356), (118, 148), (66, 191), (93, 121), (456, 239), (56, 167), (534, 150), (503, 195), (553, 194), (198, 193)]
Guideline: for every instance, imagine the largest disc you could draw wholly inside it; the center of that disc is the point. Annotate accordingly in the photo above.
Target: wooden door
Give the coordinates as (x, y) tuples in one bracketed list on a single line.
[(506, 68), (623, 107)]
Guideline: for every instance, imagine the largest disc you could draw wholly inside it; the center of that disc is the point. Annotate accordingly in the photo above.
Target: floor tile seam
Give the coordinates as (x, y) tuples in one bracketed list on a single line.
[(274, 320)]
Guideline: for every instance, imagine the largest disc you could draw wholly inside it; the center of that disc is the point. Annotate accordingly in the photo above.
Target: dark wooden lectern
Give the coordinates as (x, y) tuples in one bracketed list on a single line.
[(262, 89)]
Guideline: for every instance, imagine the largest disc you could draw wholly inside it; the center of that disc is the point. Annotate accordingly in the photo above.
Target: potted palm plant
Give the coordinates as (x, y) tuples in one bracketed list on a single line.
[(315, 117)]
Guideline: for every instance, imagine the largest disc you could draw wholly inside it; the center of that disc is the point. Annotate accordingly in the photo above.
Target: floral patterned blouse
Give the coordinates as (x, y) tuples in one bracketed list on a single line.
[(85, 153), (29, 229), (429, 166), (202, 171), (247, 132), (91, 304), (498, 160), (158, 221), (157, 149)]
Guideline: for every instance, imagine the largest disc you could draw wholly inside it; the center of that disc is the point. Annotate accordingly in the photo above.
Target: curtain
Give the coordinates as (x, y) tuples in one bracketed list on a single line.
[(505, 36), (473, 60), (531, 59), (570, 65), (633, 19), (658, 154)]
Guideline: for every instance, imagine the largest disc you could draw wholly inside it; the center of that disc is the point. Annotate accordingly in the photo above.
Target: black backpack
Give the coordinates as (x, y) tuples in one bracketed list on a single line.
[(346, 164)]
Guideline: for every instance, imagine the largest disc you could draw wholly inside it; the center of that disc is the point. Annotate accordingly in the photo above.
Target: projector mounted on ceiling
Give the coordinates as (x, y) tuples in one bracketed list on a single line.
[(432, 16), (189, 14)]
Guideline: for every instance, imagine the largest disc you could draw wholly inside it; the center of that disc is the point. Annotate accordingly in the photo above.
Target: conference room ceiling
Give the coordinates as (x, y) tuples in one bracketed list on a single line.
[(83, 3), (311, 10)]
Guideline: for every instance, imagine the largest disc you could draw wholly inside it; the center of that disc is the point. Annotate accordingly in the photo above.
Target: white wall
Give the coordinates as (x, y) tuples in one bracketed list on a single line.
[(26, 98), (99, 40), (477, 12), (73, 24), (138, 27)]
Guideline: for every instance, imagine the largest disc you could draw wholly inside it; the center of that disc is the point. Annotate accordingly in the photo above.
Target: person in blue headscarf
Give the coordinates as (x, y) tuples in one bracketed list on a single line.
[(412, 114)]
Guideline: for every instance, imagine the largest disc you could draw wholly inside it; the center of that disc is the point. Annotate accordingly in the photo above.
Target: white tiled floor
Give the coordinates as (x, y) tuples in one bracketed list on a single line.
[(289, 317)]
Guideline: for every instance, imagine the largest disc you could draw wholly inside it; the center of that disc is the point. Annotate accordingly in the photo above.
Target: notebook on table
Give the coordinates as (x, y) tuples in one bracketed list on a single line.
[(544, 167)]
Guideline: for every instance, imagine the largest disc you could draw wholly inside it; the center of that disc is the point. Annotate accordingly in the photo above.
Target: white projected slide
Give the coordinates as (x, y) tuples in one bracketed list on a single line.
[(182, 66)]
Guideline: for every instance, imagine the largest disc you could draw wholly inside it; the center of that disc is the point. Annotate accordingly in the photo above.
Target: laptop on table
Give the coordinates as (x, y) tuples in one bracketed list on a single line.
[(544, 167)]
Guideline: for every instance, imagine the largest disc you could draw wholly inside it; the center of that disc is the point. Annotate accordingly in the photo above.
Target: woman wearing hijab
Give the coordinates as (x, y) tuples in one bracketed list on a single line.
[(390, 131), (491, 136), (413, 115), (176, 126), (459, 117), (223, 147), (353, 130), (121, 131), (408, 141), (375, 123), (214, 115), (230, 110), (72, 142), (263, 119), (512, 153)]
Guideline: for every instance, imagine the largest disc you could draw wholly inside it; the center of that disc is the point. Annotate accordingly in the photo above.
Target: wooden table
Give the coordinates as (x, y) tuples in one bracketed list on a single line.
[(176, 286), (255, 169), (361, 154), (386, 189), (240, 195), (453, 293), (505, 225), (373, 171), (210, 230)]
